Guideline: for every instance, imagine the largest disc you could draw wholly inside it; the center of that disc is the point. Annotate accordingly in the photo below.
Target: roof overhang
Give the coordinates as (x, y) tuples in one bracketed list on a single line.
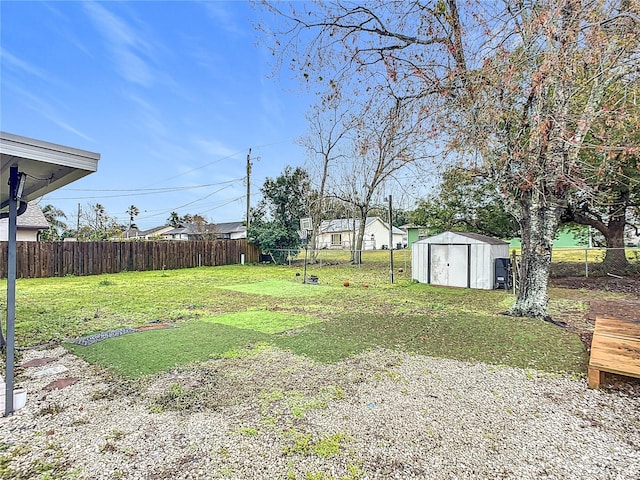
[(47, 166)]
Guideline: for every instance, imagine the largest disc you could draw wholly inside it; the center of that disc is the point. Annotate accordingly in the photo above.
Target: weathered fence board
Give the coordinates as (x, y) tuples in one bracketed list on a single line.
[(57, 259)]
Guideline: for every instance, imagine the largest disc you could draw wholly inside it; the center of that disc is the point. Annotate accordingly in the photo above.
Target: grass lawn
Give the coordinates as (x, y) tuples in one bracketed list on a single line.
[(232, 311)]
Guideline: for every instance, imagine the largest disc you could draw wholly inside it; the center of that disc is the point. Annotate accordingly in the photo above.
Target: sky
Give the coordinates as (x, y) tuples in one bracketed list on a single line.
[(172, 95)]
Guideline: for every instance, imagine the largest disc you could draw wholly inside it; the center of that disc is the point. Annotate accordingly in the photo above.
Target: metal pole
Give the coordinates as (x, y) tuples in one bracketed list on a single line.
[(14, 179), (248, 186), (586, 261), (390, 240), (306, 248)]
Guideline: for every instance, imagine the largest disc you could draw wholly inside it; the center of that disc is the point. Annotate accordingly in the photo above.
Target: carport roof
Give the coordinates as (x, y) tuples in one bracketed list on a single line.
[(47, 166)]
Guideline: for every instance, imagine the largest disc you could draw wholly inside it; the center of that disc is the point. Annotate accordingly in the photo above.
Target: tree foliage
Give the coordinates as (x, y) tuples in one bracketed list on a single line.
[(97, 225), (468, 203), (275, 221), (611, 164), (384, 141), (55, 217)]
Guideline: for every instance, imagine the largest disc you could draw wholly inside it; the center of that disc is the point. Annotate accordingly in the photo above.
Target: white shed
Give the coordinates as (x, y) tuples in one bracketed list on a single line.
[(457, 259)]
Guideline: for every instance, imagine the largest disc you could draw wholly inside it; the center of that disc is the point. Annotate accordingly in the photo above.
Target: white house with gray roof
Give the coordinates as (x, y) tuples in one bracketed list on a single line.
[(341, 234), (29, 224)]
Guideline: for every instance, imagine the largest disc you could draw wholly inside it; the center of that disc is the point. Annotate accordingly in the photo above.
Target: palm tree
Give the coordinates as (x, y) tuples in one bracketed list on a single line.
[(54, 217), (133, 212), (174, 220)]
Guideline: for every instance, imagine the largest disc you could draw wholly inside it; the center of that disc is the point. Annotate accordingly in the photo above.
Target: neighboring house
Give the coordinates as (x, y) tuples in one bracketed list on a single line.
[(340, 234), (413, 233), (210, 231), (29, 224), (190, 231), (231, 230), (155, 232), (181, 232), (136, 234)]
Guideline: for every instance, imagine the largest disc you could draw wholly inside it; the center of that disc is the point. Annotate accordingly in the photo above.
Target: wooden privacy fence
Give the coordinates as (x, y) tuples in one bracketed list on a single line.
[(57, 259)]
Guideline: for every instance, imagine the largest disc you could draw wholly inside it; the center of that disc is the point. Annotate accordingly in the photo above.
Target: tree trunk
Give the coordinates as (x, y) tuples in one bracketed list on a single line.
[(615, 260), (539, 224), (359, 240), (311, 244)]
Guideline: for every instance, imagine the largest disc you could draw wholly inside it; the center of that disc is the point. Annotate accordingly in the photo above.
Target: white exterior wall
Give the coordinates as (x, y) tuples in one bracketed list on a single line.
[(323, 240), (381, 236), (22, 234), (376, 228)]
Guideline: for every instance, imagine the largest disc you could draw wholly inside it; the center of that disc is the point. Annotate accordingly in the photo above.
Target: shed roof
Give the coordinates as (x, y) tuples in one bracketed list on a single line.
[(462, 237)]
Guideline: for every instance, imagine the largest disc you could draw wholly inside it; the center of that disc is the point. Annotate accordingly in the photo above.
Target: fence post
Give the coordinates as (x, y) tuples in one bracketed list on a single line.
[(514, 269), (586, 262)]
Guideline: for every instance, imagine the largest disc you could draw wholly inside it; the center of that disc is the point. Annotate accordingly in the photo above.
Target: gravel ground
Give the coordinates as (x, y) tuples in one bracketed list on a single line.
[(272, 415)]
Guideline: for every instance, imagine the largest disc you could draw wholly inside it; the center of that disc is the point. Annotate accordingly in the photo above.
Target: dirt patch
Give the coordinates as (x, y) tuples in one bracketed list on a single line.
[(154, 326), (606, 284), (596, 293)]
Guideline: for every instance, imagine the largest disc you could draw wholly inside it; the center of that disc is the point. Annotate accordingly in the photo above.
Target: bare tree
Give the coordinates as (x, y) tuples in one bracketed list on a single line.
[(385, 136), (514, 86), (329, 125)]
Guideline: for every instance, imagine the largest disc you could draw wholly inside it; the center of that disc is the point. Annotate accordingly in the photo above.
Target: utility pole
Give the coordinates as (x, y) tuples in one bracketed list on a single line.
[(78, 224), (248, 186), (390, 240)]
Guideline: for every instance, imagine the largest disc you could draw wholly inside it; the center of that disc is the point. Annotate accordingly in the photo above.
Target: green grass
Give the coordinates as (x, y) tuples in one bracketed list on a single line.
[(278, 288), (155, 351), (263, 321), (229, 311)]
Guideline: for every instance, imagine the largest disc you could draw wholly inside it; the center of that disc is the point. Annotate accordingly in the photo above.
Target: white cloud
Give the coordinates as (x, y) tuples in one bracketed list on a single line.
[(215, 148), (222, 16), (127, 45), (46, 110), (8, 59)]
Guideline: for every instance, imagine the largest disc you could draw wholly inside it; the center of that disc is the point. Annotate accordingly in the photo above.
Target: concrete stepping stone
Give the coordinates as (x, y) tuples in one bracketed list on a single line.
[(60, 384), (50, 371), (38, 362)]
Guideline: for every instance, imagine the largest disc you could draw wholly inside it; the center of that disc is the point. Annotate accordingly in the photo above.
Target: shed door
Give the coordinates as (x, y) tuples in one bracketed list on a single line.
[(449, 265)]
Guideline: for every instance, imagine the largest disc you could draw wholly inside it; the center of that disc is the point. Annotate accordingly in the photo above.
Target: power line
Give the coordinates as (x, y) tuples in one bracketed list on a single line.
[(149, 189), (145, 192)]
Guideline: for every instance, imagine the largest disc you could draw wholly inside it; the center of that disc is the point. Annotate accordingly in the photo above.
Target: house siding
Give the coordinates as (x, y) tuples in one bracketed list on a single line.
[(376, 235)]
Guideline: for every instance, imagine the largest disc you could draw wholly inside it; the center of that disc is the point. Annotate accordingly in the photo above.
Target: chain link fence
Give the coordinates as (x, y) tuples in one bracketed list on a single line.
[(329, 257), (595, 262), (565, 261)]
